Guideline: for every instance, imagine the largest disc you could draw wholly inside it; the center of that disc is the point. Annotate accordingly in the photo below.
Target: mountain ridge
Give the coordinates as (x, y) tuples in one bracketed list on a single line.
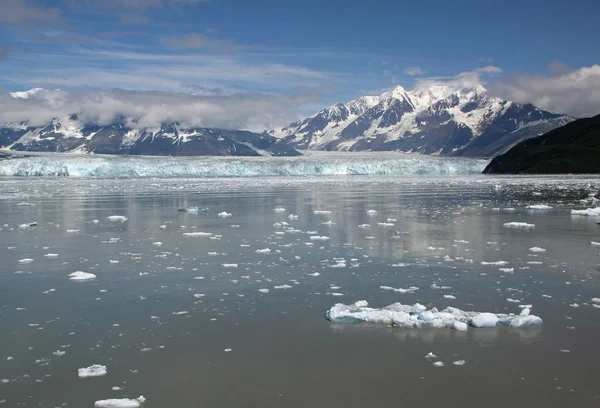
[(440, 119)]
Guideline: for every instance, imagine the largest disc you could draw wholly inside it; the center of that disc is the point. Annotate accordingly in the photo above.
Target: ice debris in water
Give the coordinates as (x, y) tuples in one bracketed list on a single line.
[(117, 218), (120, 403), (519, 225), (539, 207), (412, 289), (224, 214), (438, 364), (537, 249), (418, 316), (589, 211), (593, 243), (81, 276), (197, 234), (95, 370), (459, 362)]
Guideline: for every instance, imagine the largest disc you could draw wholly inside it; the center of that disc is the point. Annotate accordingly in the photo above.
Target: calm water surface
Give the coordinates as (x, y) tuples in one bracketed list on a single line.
[(140, 317)]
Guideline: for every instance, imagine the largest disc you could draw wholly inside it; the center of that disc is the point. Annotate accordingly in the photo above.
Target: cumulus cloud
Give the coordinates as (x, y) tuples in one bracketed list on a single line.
[(151, 108), (413, 71), (21, 12), (575, 92), (467, 79)]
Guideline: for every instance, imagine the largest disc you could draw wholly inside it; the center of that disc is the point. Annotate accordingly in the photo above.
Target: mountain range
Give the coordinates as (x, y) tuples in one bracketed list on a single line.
[(440, 119), (71, 135)]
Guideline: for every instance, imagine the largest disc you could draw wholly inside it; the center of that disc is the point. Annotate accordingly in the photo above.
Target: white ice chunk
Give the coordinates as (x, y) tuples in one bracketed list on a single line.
[(263, 251), (459, 362), (412, 289), (116, 218), (317, 212), (518, 225), (537, 249), (539, 207), (596, 300), (408, 316), (588, 212), (484, 320), (282, 287), (279, 210), (496, 263), (460, 326), (224, 214), (593, 243), (438, 364), (120, 403), (80, 276), (197, 234), (25, 261), (95, 370)]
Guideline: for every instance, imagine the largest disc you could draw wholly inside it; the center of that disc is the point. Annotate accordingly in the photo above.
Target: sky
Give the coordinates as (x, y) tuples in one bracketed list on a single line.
[(259, 64)]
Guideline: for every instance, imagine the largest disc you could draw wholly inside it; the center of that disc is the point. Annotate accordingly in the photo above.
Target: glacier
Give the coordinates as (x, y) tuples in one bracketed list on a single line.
[(327, 164)]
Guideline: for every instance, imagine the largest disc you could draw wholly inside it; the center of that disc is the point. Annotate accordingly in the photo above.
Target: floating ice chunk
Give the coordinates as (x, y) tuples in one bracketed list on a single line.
[(157, 243), (199, 295), (459, 362), (282, 287), (485, 320), (120, 403), (227, 350), (263, 251), (318, 238), (588, 212), (25, 205), (116, 218), (51, 255), (197, 234), (80, 276), (407, 316), (431, 356), (314, 274), (539, 207), (95, 370), (28, 225), (506, 270), (426, 316), (593, 243), (523, 225), (435, 286), (512, 300), (460, 326), (595, 300), (293, 217), (25, 261), (371, 212), (317, 212), (72, 231), (385, 224), (537, 249), (496, 263), (438, 364), (279, 210), (263, 290), (418, 308), (229, 265), (224, 214), (449, 297), (412, 289)]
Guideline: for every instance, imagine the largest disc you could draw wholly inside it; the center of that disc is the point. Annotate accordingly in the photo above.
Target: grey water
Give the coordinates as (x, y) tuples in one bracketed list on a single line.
[(178, 323)]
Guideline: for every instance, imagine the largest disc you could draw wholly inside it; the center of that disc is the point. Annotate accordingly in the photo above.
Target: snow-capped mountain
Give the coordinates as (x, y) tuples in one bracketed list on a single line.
[(72, 135), (440, 119)]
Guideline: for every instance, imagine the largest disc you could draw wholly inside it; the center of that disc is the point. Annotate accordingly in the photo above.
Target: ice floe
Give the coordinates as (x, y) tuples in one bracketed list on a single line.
[(588, 212), (80, 276), (539, 207), (412, 289), (95, 370), (537, 249), (120, 403), (116, 218), (523, 225), (224, 214), (418, 316)]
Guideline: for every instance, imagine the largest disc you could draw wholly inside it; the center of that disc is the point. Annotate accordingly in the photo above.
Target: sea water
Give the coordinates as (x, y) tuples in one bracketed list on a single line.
[(190, 308)]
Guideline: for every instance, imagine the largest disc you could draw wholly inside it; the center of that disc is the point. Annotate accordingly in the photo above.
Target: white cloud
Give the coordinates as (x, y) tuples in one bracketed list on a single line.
[(575, 92), (151, 108), (413, 71), (145, 3), (467, 79)]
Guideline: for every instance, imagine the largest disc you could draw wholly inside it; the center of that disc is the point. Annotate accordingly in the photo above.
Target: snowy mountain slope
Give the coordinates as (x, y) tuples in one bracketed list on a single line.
[(72, 135), (441, 119)]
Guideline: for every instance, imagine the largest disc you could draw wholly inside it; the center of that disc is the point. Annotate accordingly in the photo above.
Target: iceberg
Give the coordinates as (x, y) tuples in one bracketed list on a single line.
[(589, 212), (95, 370), (120, 403), (76, 165), (418, 316)]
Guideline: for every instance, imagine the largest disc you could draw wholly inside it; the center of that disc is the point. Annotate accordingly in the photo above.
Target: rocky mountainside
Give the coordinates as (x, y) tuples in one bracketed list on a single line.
[(71, 135), (442, 119), (574, 148)]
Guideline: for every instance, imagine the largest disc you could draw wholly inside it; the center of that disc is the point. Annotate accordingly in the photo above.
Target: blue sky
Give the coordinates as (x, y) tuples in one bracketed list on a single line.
[(309, 53)]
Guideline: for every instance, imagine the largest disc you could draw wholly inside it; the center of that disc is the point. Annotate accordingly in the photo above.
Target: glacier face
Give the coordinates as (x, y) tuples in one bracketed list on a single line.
[(51, 165), (440, 119)]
